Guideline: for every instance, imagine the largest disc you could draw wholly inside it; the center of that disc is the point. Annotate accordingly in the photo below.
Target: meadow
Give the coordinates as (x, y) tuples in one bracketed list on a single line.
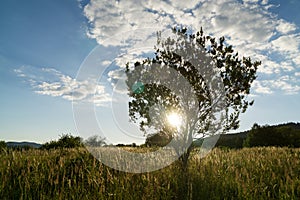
[(248, 173)]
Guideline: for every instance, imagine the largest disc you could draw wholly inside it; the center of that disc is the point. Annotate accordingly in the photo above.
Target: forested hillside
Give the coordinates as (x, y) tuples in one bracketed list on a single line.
[(267, 135)]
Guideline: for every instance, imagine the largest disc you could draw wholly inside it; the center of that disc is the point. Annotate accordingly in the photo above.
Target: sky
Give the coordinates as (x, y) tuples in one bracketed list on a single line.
[(56, 56)]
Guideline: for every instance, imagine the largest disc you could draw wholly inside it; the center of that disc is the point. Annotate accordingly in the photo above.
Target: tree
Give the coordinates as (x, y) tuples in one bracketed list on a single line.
[(160, 139), (69, 141), (95, 141), (182, 78), (65, 141), (284, 135)]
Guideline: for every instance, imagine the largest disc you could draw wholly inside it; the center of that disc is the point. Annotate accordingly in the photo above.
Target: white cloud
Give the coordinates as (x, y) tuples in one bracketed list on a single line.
[(264, 2), (108, 18), (287, 43), (260, 89), (284, 84), (116, 74), (248, 25), (285, 27), (269, 67), (287, 66), (296, 60), (117, 78), (236, 20), (19, 72), (48, 81), (106, 63)]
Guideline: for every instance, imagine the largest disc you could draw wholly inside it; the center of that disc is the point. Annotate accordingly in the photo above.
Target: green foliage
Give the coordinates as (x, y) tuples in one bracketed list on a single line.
[(3, 146), (95, 141), (284, 135), (182, 79), (65, 141), (256, 173), (160, 139), (232, 140), (236, 73)]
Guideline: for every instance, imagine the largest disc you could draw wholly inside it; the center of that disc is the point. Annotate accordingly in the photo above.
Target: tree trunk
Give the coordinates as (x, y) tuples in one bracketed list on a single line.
[(185, 191)]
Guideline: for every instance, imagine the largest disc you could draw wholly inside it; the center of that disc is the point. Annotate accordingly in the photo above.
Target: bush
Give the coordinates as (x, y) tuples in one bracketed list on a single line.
[(160, 139), (65, 141), (95, 141)]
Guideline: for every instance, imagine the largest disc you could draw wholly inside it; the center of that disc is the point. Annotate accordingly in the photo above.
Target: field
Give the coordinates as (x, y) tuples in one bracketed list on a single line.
[(249, 173)]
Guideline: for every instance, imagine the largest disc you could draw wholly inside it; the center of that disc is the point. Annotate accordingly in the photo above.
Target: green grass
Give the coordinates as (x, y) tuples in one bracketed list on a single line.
[(256, 173)]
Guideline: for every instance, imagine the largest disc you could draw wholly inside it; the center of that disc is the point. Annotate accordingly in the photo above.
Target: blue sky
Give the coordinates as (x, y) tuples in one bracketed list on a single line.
[(44, 43)]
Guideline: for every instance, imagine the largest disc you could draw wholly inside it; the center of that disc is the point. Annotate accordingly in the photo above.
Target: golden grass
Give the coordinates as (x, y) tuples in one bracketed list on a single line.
[(256, 173)]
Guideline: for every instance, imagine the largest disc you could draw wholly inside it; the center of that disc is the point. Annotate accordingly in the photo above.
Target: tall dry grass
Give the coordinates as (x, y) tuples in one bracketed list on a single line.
[(256, 173)]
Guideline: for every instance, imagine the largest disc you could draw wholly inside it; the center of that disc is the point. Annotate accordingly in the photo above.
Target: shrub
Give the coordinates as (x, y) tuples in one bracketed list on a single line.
[(65, 141)]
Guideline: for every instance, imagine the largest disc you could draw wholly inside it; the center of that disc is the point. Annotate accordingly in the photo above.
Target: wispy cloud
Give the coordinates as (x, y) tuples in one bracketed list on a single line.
[(51, 82), (287, 84), (260, 88), (248, 25)]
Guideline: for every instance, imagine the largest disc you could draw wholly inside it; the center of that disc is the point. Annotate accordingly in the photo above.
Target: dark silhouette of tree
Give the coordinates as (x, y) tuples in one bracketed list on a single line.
[(235, 140), (279, 135), (133, 144), (180, 78), (127, 145), (95, 141), (65, 141), (160, 139)]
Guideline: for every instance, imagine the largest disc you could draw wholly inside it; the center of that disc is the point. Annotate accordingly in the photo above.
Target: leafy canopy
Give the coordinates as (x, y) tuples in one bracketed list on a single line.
[(65, 141), (197, 76)]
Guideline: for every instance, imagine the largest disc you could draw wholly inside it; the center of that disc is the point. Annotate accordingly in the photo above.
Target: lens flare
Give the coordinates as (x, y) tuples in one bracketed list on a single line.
[(174, 119)]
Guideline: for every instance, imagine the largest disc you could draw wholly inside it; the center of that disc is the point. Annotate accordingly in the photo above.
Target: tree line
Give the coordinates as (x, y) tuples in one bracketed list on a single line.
[(283, 135), (280, 135), (65, 141), (69, 141)]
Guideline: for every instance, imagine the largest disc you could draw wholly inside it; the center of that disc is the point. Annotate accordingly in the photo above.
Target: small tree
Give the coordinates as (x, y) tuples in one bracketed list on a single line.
[(248, 142), (150, 101), (160, 139), (95, 141), (172, 82), (65, 141), (69, 141)]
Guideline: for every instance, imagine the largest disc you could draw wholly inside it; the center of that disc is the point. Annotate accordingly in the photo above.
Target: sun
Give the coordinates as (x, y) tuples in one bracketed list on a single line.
[(174, 119)]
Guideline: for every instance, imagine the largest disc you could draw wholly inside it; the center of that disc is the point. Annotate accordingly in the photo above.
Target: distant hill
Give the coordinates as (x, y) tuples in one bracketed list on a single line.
[(233, 140), (23, 144), (236, 140), (292, 125)]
